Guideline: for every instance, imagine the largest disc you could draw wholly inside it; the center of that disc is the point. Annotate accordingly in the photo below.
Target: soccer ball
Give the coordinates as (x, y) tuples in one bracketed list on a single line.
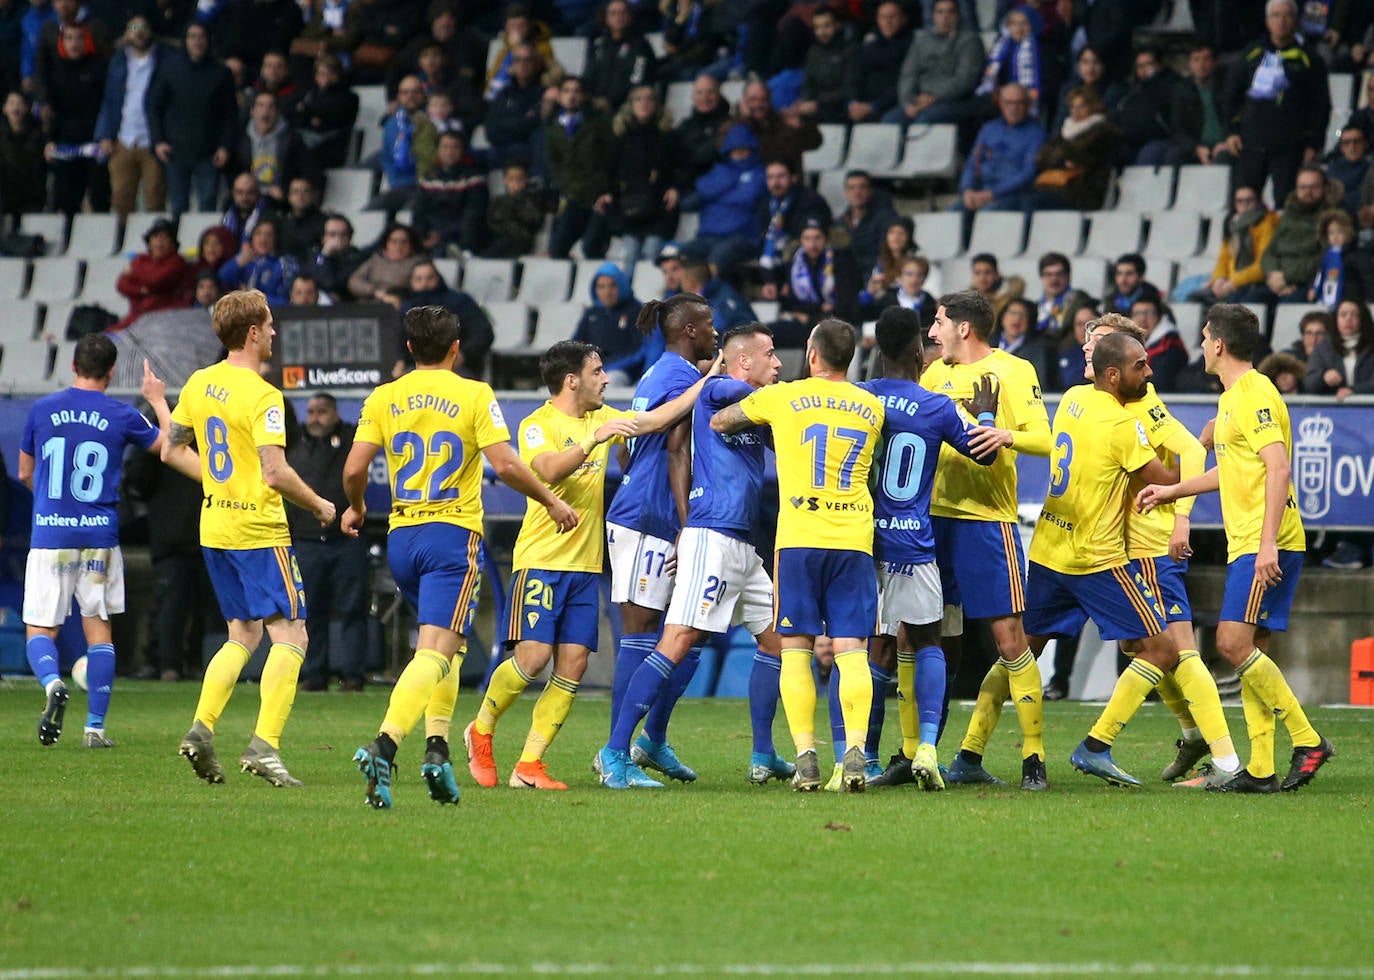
[(79, 672)]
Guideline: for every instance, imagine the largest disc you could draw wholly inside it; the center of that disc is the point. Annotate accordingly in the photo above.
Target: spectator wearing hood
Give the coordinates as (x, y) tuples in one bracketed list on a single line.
[(1294, 254), (1344, 272), (217, 246), (272, 151), (451, 211), (158, 279), (728, 195), (580, 146), (1158, 116), (259, 265), (1166, 350), (609, 322), (475, 333)]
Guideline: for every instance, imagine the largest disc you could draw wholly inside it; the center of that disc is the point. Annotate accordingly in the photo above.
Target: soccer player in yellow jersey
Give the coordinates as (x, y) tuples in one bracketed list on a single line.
[(1265, 542), (238, 422), (555, 588), (435, 426), (825, 431), (1078, 562), (1158, 541), (977, 545)]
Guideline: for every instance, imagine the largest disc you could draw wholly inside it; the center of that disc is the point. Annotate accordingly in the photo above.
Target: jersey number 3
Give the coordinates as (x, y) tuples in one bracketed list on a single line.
[(1059, 465)]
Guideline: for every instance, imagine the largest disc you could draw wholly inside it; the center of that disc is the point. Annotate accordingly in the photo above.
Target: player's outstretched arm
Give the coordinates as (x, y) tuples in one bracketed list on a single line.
[(674, 410), (1157, 493), (552, 467), (355, 469), (513, 472), (278, 474), (179, 455)]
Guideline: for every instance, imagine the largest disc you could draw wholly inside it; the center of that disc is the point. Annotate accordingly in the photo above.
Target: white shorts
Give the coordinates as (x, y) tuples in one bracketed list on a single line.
[(908, 594), (720, 583), (52, 576), (639, 567)]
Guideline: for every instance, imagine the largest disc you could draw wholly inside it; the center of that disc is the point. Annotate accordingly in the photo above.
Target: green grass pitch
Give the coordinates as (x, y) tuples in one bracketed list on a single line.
[(121, 864)]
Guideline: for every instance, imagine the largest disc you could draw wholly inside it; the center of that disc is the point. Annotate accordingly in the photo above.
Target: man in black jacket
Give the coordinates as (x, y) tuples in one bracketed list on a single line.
[(783, 212), (878, 66), (618, 59), (334, 567), (1159, 117), (336, 259), (514, 124), (824, 76), (192, 115), (1277, 104), (699, 131)]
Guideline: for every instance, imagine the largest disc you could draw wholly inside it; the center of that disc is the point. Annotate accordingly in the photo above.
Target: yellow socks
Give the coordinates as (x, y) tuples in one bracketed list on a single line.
[(906, 702), (798, 690), (1271, 687), (221, 674), (1201, 702), (439, 713), (856, 695), (507, 683), (1132, 688), (412, 692), (550, 711), (992, 693), (1260, 725), (1023, 679), (1172, 695), (278, 691)]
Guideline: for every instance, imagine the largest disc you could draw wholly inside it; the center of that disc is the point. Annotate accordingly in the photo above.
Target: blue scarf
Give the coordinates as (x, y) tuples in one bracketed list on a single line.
[(775, 236), (570, 121), (1330, 279), (1051, 310), (1025, 67), (805, 288), (500, 81), (402, 153)]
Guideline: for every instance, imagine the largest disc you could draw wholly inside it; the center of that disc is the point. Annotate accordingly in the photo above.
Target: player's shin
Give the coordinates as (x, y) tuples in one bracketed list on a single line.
[(798, 691), (221, 674), (508, 681), (439, 711), (1271, 686), (648, 685), (763, 700), (930, 683), (1198, 691), (877, 713), (1260, 726), (656, 721), (856, 694), (412, 693), (100, 677), (987, 710), (550, 712), (41, 651), (907, 703), (1132, 688), (1171, 693), (1023, 681), (278, 691), (633, 648)]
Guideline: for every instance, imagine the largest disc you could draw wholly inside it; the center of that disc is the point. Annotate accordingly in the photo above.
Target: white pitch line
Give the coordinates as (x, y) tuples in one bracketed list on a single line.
[(1139, 969)]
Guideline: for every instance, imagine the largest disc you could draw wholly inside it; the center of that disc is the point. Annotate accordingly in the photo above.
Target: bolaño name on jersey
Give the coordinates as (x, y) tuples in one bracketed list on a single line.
[(69, 417)]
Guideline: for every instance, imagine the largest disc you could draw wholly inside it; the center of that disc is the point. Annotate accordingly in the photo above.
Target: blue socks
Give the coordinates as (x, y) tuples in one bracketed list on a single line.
[(932, 701), (644, 689), (656, 724), (838, 738), (100, 675), (878, 713), (42, 654), (763, 701), (634, 647)]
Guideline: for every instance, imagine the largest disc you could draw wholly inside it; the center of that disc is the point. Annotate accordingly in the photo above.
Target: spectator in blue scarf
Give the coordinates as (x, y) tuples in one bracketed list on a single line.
[(410, 145)]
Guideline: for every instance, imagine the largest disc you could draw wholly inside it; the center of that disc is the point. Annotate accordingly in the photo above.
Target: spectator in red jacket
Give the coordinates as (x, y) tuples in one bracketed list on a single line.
[(159, 279)]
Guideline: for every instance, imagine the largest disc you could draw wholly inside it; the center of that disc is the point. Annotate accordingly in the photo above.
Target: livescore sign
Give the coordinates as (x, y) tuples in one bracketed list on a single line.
[(322, 348)]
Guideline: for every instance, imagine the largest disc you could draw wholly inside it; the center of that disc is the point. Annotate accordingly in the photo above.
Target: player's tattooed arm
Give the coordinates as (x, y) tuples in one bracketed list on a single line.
[(181, 435), (731, 418), (176, 450)]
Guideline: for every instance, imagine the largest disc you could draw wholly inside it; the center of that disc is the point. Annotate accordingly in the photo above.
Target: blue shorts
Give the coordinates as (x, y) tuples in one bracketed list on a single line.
[(1164, 576), (438, 568), (256, 583), (1245, 601), (982, 566), (554, 608), (822, 591), (1118, 600)]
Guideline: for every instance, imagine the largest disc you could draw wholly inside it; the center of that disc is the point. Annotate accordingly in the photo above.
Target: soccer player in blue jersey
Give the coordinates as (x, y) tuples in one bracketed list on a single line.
[(646, 515), (825, 431), (70, 456), (720, 580), (911, 602)]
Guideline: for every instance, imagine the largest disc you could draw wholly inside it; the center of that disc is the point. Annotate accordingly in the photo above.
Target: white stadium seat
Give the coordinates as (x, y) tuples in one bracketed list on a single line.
[(1112, 233), (488, 280), (1205, 189), (510, 323), (1055, 231), (14, 274), (1174, 235), (544, 280), (54, 278), (929, 151), (873, 147), (939, 234), (53, 228), (830, 154), (998, 232), (1145, 189), (555, 321), (93, 236)]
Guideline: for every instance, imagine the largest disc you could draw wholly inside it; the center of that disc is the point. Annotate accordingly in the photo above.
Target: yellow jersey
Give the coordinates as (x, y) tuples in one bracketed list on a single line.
[(963, 488), (539, 545), (1097, 444), (1250, 416), (233, 411), (825, 434), (1147, 535), (433, 425)]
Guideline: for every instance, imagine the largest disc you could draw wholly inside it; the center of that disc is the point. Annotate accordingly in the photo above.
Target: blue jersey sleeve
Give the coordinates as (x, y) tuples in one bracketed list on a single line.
[(26, 441), (138, 430)]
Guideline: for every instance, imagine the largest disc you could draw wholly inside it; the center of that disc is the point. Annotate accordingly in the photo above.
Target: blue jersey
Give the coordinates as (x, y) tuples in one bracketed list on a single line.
[(644, 501), (77, 439), (917, 421), (727, 470)]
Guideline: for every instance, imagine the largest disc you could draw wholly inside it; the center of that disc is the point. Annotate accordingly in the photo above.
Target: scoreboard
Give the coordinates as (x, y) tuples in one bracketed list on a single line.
[(320, 348)]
